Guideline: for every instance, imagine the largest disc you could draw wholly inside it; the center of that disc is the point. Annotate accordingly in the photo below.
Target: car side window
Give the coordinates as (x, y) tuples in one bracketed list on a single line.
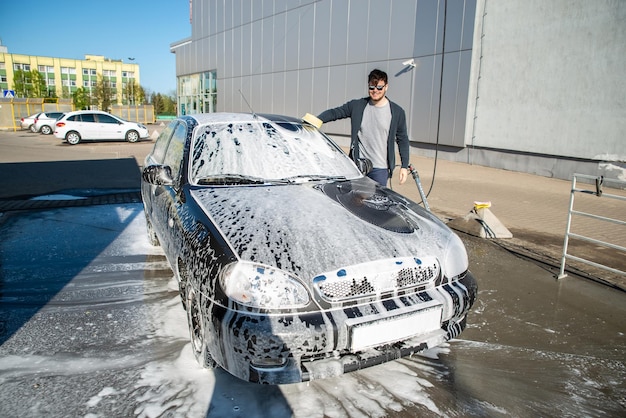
[(174, 154), (161, 143), (106, 119), (87, 117)]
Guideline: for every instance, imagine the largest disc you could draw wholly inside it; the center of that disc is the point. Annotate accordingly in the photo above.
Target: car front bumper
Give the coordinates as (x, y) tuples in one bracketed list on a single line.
[(291, 348)]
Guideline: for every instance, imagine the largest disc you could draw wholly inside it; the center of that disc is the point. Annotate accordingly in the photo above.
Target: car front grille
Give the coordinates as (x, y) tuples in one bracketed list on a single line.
[(382, 276)]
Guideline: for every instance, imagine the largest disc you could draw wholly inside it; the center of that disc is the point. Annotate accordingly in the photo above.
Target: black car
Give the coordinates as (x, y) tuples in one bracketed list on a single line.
[(292, 265)]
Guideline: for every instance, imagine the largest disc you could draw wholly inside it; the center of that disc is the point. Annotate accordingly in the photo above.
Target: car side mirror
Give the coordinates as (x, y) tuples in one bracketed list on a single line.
[(158, 175)]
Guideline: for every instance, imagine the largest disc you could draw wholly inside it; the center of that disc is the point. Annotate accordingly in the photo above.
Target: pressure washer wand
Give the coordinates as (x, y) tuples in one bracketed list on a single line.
[(416, 177)]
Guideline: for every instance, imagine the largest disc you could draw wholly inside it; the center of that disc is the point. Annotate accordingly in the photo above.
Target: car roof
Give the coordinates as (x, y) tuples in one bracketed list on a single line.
[(222, 117), (81, 112)]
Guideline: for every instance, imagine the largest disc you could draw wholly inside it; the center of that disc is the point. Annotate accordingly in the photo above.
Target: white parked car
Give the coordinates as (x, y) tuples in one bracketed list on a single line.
[(45, 121), (97, 125), (29, 121)]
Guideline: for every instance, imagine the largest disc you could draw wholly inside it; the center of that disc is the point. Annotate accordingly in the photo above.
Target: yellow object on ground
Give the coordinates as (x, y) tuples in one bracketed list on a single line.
[(313, 120)]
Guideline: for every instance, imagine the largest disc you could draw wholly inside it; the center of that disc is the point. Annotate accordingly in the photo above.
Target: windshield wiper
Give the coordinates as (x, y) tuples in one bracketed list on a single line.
[(312, 177), (228, 179)]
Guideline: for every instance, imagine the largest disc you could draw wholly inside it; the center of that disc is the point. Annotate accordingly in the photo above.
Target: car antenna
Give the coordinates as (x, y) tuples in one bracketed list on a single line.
[(251, 109)]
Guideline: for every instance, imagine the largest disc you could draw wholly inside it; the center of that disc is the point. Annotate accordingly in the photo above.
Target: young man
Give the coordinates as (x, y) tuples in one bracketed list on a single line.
[(376, 123)]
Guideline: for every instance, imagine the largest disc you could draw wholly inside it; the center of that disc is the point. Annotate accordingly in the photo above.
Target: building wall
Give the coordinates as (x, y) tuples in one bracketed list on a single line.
[(525, 85), (292, 57), (95, 62), (550, 87)]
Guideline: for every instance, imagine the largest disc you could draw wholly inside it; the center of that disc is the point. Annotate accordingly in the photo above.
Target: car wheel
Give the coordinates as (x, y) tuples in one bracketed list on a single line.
[(72, 137), (132, 136), (32, 128), (46, 130), (195, 318), (152, 237)]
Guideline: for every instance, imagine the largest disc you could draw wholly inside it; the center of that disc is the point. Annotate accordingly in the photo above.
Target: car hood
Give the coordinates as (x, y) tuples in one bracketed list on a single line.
[(316, 227)]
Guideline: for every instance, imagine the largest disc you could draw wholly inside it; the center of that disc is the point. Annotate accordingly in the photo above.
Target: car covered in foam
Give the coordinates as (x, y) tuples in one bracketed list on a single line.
[(291, 264)]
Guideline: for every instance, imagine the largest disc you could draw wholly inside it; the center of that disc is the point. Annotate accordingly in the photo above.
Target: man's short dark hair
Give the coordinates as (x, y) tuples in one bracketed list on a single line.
[(377, 75)]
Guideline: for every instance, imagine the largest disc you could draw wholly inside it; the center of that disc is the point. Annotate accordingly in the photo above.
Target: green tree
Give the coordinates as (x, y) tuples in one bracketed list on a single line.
[(169, 107), (38, 83), (134, 93), (103, 94), (81, 99), (21, 83), (157, 103)]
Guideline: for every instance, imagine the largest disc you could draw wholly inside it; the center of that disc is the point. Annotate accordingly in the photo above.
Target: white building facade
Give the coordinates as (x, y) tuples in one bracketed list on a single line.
[(524, 85)]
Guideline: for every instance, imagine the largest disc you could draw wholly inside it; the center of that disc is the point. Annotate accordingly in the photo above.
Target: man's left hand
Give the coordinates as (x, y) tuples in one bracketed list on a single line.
[(404, 174)]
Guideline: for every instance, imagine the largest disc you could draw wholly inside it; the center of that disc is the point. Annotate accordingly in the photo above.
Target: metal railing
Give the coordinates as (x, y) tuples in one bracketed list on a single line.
[(599, 182)]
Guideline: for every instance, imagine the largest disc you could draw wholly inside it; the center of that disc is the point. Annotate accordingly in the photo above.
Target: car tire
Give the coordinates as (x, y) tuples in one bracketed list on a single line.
[(32, 128), (72, 137), (195, 319), (152, 236), (132, 136), (46, 130)]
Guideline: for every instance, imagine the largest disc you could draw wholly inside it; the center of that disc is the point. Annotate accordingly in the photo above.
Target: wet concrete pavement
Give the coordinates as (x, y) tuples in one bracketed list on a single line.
[(92, 325)]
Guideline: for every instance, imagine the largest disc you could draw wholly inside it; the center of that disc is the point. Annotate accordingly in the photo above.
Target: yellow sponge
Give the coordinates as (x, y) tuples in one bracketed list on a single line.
[(313, 120)]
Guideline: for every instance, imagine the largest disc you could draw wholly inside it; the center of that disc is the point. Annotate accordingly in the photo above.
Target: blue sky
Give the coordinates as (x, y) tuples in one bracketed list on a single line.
[(117, 29)]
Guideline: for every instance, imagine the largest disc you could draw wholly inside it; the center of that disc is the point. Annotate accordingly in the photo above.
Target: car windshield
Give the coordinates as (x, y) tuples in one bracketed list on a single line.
[(264, 150)]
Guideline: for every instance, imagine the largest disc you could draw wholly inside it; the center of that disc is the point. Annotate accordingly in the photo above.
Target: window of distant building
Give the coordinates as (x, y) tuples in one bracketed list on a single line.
[(197, 93), (23, 67)]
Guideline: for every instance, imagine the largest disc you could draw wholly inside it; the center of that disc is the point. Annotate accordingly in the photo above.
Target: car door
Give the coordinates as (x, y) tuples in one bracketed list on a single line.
[(86, 125), (110, 127), (166, 199), (150, 192)]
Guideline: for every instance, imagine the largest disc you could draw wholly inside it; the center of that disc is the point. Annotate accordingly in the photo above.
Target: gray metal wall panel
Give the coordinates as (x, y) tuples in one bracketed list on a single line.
[(227, 58), (402, 28), (450, 119), (211, 18), (279, 93), (321, 51), (273, 45), (468, 25), (246, 49), (228, 15), (377, 30), (303, 94), (246, 12), (339, 33), (236, 6), (306, 36), (279, 47), (268, 46), (237, 53), (291, 89), (268, 8), (257, 48), (319, 90), (454, 25), (427, 28), (257, 10), (219, 18), (425, 99), (291, 40), (357, 32), (267, 93)]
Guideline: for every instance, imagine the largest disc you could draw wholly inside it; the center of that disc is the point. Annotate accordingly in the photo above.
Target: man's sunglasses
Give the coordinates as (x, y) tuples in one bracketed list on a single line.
[(379, 88)]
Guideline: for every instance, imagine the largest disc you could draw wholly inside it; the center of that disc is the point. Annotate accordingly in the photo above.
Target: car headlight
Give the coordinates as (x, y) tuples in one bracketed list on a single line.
[(455, 257), (260, 286)]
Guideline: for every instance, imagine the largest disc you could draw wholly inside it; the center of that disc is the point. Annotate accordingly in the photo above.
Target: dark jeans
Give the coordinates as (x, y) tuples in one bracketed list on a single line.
[(380, 175)]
